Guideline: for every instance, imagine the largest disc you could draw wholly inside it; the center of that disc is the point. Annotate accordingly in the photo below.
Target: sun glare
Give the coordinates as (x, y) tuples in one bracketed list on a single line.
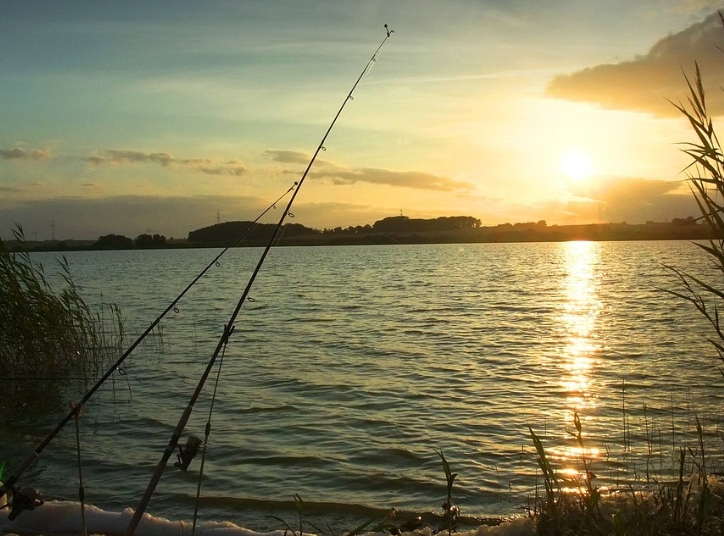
[(576, 164)]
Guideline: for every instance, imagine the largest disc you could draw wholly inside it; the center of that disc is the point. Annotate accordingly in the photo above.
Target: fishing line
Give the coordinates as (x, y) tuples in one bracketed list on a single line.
[(207, 433), (81, 491), (229, 327), (8, 485), (281, 234)]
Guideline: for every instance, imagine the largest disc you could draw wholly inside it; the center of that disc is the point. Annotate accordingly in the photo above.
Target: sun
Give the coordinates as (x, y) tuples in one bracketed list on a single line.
[(576, 164)]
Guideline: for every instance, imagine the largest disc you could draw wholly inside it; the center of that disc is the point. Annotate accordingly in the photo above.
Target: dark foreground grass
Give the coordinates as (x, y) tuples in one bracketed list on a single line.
[(692, 502)]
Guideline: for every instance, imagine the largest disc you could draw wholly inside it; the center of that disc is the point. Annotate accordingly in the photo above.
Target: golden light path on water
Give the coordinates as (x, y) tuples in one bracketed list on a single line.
[(580, 320)]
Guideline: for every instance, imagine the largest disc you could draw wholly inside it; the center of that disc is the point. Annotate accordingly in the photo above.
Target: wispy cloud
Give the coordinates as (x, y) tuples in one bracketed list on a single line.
[(287, 157), (10, 189), (341, 175), (405, 179), (633, 199), (648, 83), (202, 165), (18, 153)]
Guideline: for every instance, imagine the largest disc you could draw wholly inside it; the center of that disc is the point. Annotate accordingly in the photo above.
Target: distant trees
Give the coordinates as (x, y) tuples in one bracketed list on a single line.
[(531, 225), (113, 241), (150, 241), (352, 229), (224, 233), (683, 221), (227, 232), (401, 224)]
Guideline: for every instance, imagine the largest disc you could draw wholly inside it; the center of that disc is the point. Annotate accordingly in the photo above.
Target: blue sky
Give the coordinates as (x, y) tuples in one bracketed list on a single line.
[(130, 117)]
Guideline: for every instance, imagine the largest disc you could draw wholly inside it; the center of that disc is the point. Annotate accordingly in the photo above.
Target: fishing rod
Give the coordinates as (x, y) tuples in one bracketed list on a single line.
[(229, 327), (8, 485)]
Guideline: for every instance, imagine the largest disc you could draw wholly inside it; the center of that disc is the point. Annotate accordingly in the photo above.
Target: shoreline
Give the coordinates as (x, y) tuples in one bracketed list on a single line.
[(499, 234)]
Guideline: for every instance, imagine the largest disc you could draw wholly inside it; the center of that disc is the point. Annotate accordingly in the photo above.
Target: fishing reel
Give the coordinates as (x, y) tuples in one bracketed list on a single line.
[(187, 452), (24, 499)]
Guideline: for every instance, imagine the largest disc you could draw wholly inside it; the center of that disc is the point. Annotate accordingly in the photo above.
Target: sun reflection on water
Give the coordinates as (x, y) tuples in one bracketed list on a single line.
[(579, 320)]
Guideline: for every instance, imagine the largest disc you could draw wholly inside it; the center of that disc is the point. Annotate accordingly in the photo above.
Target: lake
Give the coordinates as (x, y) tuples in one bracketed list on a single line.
[(353, 365)]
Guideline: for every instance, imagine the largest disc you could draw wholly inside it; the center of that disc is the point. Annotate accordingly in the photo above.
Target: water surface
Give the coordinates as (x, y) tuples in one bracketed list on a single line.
[(353, 365)]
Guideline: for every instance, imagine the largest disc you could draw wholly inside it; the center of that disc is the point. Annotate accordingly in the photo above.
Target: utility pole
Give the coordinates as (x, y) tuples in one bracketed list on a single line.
[(218, 218), (52, 229)]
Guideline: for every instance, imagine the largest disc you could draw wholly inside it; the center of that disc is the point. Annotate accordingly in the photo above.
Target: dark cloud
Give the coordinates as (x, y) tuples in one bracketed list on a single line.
[(202, 165), (647, 83), (18, 153)]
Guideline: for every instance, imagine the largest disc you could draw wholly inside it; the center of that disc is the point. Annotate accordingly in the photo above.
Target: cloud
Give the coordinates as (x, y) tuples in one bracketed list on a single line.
[(340, 175), (631, 199), (202, 165), (404, 179), (129, 215), (18, 153), (288, 157), (648, 83), (617, 188), (10, 189), (122, 156)]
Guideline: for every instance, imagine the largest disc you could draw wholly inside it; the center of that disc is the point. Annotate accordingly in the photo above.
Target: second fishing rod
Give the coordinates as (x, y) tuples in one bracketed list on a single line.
[(229, 327), (8, 486)]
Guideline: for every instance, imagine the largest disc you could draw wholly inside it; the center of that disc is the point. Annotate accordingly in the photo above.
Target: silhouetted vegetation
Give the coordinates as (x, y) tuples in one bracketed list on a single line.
[(113, 241), (226, 233), (48, 338), (148, 241), (403, 224)]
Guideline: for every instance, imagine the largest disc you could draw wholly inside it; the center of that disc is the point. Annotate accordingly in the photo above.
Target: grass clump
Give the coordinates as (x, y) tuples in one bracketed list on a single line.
[(48, 338), (571, 504), (691, 503)]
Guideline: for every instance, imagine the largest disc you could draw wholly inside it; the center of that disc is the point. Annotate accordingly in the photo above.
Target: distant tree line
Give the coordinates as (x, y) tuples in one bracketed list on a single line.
[(144, 241), (403, 224), (226, 233), (412, 230)]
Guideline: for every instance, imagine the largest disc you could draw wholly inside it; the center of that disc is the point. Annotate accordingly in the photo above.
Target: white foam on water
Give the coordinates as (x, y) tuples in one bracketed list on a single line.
[(64, 517)]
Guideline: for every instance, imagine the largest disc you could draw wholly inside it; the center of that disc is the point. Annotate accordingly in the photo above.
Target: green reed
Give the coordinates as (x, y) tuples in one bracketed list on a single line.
[(690, 503), (450, 511), (49, 338), (706, 180)]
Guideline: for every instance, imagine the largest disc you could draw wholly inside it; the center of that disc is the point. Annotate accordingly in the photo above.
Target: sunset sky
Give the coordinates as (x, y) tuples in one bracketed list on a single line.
[(157, 116)]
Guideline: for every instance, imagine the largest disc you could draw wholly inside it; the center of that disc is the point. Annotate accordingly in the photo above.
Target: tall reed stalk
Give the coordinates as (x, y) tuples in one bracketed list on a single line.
[(48, 338), (706, 180)]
